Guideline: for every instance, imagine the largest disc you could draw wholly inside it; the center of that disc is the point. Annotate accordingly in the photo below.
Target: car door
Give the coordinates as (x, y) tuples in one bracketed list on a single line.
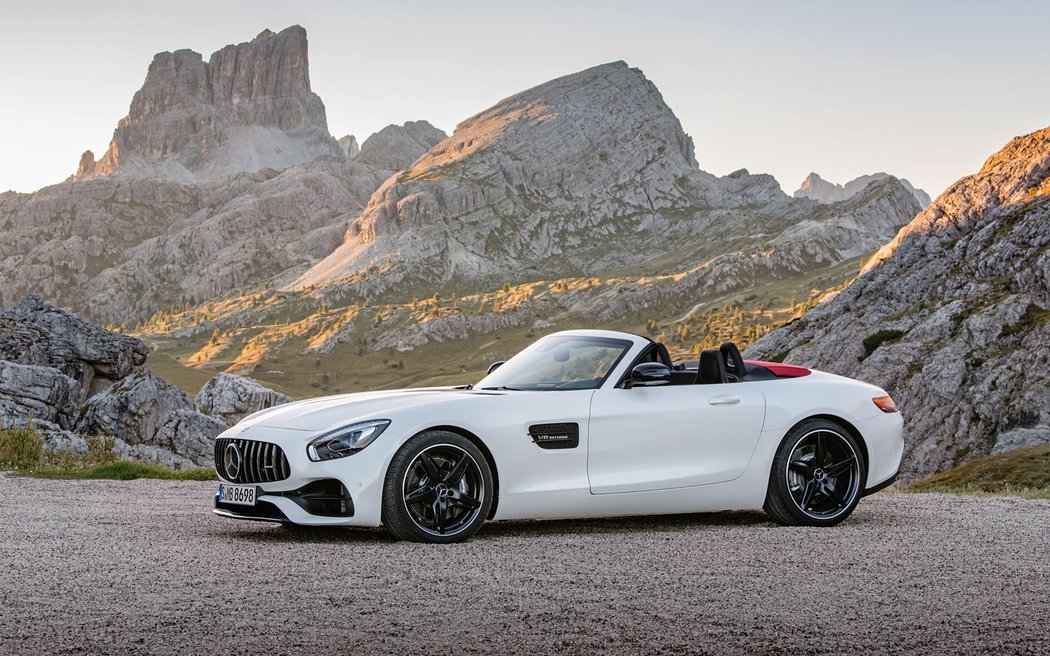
[(671, 436)]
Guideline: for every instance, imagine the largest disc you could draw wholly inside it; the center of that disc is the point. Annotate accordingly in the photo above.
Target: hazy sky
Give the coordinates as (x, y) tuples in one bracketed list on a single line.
[(923, 90)]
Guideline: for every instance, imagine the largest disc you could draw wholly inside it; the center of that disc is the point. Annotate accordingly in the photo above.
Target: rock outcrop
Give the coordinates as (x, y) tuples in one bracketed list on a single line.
[(248, 107), (69, 378), (41, 395), (822, 191), (952, 317), (38, 333), (144, 410), (231, 398)]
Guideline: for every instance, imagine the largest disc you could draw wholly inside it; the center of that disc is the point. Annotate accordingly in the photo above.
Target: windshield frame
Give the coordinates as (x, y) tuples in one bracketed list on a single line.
[(626, 346)]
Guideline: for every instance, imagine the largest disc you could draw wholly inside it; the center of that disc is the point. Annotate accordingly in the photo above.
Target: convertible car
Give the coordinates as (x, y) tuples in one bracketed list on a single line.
[(582, 423)]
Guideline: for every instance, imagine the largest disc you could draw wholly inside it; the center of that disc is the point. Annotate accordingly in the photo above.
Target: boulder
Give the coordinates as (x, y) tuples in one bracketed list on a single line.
[(41, 395), (37, 333), (145, 411), (231, 398)]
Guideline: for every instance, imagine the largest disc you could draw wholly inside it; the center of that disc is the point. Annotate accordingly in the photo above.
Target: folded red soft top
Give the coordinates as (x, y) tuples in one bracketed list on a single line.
[(781, 370)]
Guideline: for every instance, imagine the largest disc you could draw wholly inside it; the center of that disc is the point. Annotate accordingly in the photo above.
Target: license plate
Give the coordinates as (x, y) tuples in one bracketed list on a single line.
[(242, 495)]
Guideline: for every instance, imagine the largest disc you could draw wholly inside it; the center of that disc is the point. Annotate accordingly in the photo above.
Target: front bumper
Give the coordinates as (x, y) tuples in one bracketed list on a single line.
[(322, 499), (297, 499)]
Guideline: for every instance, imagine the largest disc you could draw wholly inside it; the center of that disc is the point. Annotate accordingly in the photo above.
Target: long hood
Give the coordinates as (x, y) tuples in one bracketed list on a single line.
[(328, 412)]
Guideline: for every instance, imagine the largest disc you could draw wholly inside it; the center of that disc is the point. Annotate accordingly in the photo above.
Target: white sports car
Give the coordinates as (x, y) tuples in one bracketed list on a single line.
[(582, 423)]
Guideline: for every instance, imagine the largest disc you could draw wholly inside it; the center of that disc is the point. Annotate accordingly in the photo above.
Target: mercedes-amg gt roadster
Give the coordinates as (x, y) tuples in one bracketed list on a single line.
[(582, 423)]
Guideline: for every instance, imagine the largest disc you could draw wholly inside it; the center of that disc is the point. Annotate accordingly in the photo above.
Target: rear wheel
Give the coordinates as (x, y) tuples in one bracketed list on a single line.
[(438, 489), (817, 477)]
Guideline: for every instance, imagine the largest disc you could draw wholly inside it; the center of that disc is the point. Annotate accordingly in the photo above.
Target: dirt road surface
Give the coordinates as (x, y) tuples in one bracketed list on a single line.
[(143, 567)]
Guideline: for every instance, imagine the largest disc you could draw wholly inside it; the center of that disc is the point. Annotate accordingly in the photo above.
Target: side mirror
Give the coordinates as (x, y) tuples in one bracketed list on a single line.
[(495, 365), (650, 374)]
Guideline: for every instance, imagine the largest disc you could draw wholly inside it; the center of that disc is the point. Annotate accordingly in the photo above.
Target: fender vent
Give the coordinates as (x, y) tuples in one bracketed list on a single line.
[(555, 436)]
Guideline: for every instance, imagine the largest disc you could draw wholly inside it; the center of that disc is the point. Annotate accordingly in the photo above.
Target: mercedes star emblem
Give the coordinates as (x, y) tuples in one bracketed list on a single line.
[(232, 459)]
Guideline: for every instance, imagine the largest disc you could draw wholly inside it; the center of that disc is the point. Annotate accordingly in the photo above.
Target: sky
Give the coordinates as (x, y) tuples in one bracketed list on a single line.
[(922, 90)]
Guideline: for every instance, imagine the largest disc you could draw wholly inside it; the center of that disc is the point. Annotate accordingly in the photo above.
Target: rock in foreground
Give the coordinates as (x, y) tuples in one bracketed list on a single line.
[(230, 398), (70, 379)]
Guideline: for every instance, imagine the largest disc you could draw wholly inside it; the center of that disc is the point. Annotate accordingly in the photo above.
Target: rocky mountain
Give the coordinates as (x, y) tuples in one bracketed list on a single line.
[(822, 191), (952, 316), (588, 173), (248, 107), (70, 379), (395, 147), (183, 211), (579, 201), (576, 203)]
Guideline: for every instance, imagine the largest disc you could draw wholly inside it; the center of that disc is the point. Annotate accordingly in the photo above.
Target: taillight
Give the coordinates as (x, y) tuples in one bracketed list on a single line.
[(885, 403)]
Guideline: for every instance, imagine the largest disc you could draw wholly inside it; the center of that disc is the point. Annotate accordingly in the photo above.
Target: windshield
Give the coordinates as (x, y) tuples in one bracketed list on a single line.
[(559, 362)]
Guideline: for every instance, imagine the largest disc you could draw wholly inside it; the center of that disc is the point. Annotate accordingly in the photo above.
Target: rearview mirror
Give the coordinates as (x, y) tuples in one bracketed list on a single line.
[(650, 374), (496, 365)]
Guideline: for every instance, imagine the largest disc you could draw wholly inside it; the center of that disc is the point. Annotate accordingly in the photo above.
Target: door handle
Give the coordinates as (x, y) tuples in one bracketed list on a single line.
[(724, 399)]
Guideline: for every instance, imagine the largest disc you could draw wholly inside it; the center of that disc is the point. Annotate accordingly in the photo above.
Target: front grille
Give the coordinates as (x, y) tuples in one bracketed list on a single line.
[(249, 461)]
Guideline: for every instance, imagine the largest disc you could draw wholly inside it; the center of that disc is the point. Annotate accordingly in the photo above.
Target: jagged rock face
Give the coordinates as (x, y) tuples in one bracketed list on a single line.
[(231, 398), (169, 229), (249, 107), (396, 146), (142, 409), (822, 191), (956, 315), (68, 377), (38, 333), (38, 394), (119, 249), (590, 172)]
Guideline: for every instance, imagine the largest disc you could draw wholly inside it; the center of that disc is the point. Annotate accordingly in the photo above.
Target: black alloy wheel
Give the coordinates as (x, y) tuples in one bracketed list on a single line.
[(439, 489), (817, 476)]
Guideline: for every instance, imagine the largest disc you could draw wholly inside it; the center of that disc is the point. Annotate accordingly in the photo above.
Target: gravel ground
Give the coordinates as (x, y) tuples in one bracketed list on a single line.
[(143, 567)]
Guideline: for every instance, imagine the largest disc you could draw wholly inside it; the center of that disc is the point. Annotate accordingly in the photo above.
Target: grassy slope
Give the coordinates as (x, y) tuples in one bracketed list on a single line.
[(22, 451), (685, 322), (1023, 472), (122, 470)]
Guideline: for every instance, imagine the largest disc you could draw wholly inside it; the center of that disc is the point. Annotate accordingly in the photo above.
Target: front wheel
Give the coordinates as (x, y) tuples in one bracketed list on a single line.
[(817, 476), (438, 489)]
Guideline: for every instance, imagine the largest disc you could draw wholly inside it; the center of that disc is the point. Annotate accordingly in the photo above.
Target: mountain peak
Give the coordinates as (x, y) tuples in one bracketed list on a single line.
[(822, 191), (248, 107), (544, 154)]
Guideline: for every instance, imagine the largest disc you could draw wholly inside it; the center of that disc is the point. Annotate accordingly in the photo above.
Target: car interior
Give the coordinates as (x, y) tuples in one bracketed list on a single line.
[(714, 366)]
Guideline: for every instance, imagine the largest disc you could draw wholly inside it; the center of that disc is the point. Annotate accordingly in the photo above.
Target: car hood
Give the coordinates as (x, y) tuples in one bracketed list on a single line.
[(330, 412)]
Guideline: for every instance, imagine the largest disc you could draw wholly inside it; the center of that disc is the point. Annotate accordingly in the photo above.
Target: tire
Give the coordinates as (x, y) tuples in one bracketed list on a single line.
[(817, 476), (453, 508)]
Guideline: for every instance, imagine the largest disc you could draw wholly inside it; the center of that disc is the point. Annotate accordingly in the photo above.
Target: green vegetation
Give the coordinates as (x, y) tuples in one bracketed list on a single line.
[(125, 470), (1032, 318), (1022, 472), (872, 342), (22, 450), (20, 446), (306, 343)]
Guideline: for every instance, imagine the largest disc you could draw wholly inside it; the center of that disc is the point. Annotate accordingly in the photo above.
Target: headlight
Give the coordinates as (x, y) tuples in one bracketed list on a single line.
[(346, 440)]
